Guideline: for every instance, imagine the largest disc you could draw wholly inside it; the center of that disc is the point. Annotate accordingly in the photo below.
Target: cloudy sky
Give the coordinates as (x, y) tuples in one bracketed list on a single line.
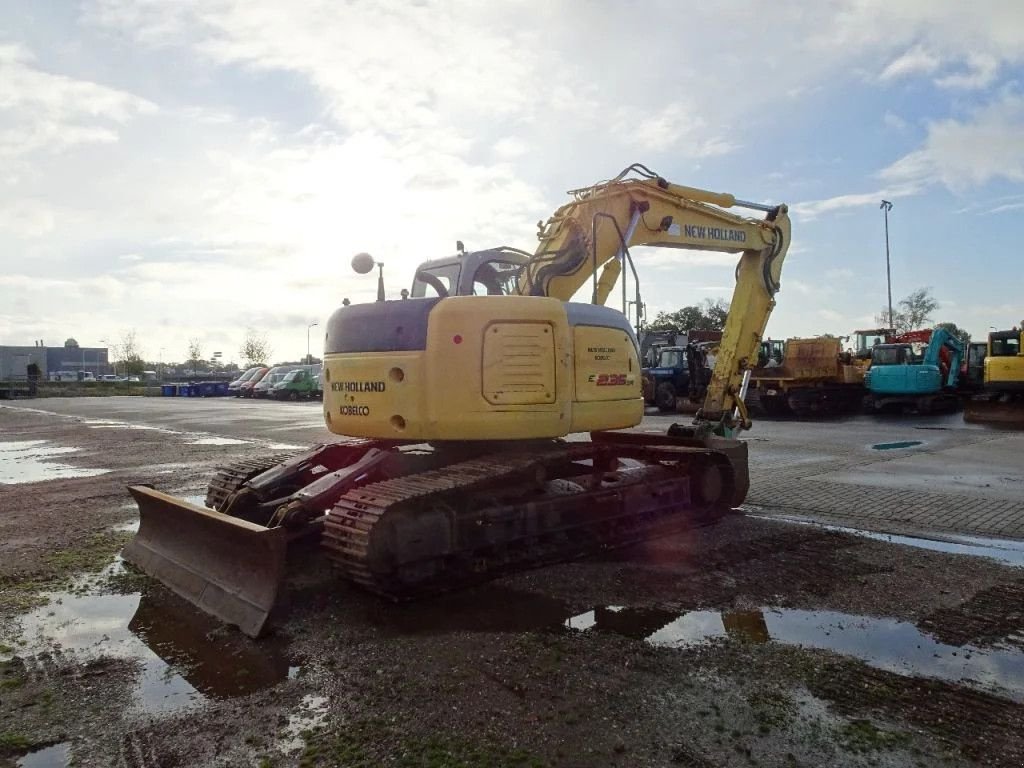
[(197, 168)]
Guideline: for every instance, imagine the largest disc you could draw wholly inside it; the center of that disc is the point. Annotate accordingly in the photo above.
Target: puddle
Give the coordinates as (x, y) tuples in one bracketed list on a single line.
[(217, 441), (889, 644), (311, 714), (1006, 551), (896, 446), (184, 656), (110, 424), (55, 756), (28, 461), (487, 608)]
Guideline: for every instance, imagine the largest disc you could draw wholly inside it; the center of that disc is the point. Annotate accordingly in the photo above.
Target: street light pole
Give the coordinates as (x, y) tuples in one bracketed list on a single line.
[(106, 341), (886, 206), (311, 325)]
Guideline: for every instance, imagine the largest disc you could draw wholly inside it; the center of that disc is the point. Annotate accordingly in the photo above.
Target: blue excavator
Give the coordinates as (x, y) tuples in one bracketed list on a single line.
[(919, 370)]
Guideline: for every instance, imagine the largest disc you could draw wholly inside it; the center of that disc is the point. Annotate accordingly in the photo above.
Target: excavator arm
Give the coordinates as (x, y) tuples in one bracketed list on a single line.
[(589, 239)]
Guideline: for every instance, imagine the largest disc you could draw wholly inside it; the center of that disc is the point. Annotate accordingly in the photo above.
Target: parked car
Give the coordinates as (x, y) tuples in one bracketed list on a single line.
[(319, 392), (302, 382), (110, 377), (247, 387), (235, 387), (272, 377)]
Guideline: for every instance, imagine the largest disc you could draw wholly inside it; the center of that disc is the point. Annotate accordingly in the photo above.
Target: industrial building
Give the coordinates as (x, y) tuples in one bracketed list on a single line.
[(14, 360)]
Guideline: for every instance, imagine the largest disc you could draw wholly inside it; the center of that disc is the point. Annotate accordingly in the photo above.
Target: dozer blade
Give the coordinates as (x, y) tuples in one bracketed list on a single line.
[(226, 566), (1005, 414)]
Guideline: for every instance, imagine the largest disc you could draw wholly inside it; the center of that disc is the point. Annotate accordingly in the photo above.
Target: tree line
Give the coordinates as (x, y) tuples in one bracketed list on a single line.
[(254, 350), (913, 312)]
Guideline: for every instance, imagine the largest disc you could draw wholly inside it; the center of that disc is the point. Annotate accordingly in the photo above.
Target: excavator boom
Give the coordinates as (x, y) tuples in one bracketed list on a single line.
[(588, 239)]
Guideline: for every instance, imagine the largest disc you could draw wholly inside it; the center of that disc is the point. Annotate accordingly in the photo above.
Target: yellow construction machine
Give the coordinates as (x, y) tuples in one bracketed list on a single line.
[(453, 404), (1002, 397), (807, 378)]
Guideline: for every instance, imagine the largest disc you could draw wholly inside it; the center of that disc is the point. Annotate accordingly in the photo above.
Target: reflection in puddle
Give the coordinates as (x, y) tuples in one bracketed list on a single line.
[(55, 756), (311, 714), (488, 608), (889, 644), (1008, 551), (184, 656), (27, 461), (217, 441)]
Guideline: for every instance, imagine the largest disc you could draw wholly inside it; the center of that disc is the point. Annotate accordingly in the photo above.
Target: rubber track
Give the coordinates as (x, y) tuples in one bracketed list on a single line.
[(350, 524), (232, 477)]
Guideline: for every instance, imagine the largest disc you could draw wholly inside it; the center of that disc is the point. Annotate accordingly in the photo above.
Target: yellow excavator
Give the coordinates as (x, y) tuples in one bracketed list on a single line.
[(454, 404), (1002, 398)]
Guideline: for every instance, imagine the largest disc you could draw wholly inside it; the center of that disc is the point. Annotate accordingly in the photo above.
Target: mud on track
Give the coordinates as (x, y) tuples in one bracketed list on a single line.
[(751, 642)]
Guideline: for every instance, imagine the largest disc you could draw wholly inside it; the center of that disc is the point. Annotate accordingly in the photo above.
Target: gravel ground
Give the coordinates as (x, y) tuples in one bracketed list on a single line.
[(749, 642)]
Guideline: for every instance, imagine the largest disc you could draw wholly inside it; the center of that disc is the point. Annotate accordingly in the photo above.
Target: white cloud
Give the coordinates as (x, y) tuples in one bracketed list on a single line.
[(960, 153), (40, 110), (813, 208), (839, 273), (981, 71), (916, 61), (415, 125), (894, 121)]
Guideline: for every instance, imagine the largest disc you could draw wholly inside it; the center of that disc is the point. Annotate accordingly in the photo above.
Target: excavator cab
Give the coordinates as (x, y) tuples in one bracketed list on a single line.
[(492, 272)]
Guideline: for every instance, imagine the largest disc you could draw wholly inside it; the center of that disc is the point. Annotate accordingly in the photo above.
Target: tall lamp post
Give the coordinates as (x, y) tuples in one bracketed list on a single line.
[(886, 206), (311, 325), (106, 341)]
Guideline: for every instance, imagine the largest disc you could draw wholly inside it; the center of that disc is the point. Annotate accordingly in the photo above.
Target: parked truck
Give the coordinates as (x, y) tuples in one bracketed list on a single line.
[(919, 371), (680, 370), (807, 378)]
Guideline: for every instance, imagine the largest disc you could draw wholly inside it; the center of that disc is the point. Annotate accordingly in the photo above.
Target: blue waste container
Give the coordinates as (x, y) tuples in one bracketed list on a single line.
[(221, 388), (169, 390), (183, 390)]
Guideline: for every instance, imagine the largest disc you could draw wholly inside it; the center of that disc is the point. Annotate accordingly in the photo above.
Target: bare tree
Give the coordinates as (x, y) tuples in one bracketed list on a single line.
[(130, 352), (915, 311), (195, 352), (255, 349)]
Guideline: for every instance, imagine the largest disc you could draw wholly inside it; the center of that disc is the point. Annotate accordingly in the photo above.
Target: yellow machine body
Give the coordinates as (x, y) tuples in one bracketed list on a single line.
[(1004, 363), (524, 361), (488, 358), (493, 367)]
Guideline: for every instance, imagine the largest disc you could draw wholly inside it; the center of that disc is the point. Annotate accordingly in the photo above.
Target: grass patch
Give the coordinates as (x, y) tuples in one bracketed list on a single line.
[(772, 709), (13, 743), (94, 555), (22, 594), (363, 744), (864, 736), (89, 389)]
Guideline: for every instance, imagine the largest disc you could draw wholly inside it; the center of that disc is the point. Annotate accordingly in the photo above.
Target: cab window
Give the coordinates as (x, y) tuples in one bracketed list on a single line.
[(428, 280), (1006, 347), (887, 355), (496, 278)]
